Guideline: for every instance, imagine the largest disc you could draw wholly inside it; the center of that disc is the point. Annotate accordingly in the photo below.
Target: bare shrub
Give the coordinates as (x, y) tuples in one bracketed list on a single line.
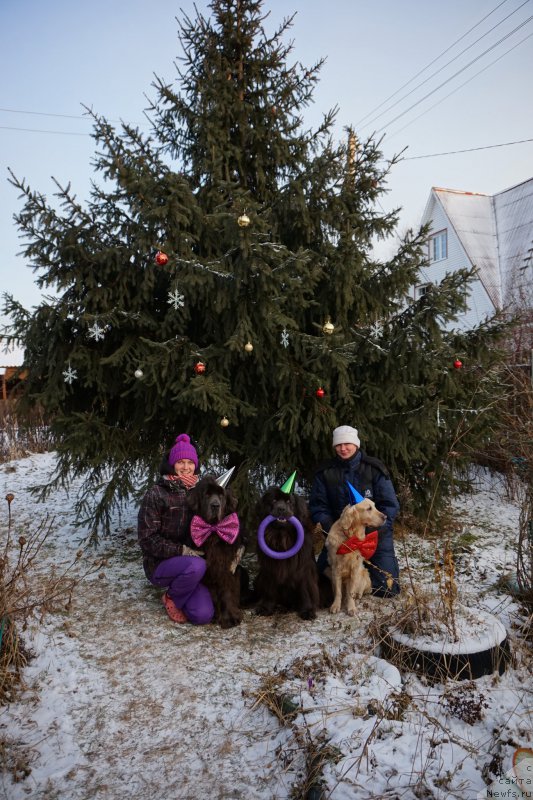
[(22, 434), (29, 591)]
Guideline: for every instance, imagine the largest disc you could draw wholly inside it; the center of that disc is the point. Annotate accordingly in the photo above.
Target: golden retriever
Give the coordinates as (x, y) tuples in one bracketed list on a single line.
[(348, 570)]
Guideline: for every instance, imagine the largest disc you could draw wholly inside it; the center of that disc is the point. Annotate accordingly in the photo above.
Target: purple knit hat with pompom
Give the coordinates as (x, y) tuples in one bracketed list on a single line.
[(182, 449)]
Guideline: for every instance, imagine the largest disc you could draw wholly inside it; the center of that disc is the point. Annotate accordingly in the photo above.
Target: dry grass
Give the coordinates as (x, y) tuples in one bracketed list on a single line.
[(28, 592), (21, 435)]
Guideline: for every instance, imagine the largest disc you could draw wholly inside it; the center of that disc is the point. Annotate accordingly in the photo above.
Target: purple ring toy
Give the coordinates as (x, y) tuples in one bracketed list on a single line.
[(280, 554)]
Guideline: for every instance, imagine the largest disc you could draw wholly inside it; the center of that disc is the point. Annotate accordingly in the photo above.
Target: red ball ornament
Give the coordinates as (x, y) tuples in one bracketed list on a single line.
[(457, 363), (199, 367), (161, 258), (320, 393)]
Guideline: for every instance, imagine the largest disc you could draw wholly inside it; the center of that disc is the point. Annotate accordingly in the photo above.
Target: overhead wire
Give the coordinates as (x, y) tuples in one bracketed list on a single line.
[(39, 130), (467, 150), (45, 114), (473, 61), (422, 83), (421, 71), (442, 99)]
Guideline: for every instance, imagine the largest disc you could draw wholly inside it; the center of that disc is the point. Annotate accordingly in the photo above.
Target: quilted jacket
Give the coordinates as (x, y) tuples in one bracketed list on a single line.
[(163, 523)]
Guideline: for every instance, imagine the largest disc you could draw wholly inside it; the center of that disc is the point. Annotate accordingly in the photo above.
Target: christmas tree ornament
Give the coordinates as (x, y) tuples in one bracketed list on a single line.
[(243, 221), (376, 329), (199, 367), (224, 422), (284, 339), (457, 363), (96, 332), (138, 373), (224, 478), (176, 299), (248, 347), (328, 327), (161, 258), (288, 486), (354, 494), (70, 375), (320, 392)]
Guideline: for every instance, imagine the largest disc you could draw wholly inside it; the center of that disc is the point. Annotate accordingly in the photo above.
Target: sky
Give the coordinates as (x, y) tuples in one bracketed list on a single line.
[(122, 703), (57, 56)]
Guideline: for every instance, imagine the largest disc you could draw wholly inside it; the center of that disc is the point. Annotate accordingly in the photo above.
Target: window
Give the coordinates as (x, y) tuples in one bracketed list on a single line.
[(421, 290), (438, 246)]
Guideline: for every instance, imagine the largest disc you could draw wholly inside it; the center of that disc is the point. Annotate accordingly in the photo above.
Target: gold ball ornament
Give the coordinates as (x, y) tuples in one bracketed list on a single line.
[(328, 327), (224, 422), (243, 221), (248, 347)]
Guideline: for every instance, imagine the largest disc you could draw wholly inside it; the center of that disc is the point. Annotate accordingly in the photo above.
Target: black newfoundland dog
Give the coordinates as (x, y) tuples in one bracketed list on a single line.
[(215, 531), (289, 584)]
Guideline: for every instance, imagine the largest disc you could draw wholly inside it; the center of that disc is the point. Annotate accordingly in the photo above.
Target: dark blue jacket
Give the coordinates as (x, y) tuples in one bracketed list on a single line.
[(330, 494)]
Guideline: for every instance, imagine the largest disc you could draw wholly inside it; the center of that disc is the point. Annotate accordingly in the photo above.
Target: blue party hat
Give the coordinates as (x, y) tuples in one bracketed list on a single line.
[(356, 497)]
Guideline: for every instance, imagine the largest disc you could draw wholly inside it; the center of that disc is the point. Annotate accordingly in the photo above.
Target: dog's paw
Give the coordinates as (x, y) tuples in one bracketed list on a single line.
[(351, 610), (335, 608), (231, 621), (264, 611), (308, 613)]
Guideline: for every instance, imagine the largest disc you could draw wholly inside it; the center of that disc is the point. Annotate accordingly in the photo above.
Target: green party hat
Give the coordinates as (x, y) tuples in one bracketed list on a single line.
[(288, 486)]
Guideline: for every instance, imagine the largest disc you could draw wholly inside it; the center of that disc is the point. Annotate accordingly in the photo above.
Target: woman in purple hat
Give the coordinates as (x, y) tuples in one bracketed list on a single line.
[(163, 528)]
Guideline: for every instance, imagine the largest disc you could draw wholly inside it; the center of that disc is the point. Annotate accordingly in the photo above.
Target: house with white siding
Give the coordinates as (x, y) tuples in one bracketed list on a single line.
[(492, 234)]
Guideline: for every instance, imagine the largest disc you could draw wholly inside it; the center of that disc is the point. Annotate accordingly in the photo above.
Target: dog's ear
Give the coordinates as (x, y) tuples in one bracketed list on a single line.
[(301, 509), (264, 505), (231, 502), (193, 499), (349, 517)]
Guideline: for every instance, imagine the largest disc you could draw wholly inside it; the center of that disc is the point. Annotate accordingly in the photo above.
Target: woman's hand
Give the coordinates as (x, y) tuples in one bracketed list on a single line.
[(187, 551)]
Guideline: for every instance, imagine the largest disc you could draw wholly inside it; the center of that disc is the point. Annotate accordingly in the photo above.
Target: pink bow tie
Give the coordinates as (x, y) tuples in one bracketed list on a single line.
[(227, 529)]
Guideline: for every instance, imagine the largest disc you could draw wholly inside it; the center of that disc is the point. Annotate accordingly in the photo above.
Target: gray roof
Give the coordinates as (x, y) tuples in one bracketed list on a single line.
[(496, 232), (514, 220)]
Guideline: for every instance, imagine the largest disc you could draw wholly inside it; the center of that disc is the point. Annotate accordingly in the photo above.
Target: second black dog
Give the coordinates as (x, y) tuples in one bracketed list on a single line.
[(289, 584)]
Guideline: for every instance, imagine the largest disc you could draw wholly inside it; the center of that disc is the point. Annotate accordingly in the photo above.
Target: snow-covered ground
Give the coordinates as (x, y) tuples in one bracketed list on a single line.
[(122, 703)]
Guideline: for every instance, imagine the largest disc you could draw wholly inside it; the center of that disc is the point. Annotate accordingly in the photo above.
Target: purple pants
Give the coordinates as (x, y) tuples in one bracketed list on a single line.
[(182, 575)]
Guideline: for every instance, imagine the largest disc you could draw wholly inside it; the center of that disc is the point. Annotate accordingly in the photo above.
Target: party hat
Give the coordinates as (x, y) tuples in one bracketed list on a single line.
[(224, 478), (288, 486), (356, 497)]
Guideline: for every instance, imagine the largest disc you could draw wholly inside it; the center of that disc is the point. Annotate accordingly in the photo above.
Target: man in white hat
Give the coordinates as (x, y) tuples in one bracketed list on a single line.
[(331, 492)]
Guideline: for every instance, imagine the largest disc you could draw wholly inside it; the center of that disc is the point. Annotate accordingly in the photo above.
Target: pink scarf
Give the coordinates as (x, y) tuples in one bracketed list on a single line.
[(227, 529)]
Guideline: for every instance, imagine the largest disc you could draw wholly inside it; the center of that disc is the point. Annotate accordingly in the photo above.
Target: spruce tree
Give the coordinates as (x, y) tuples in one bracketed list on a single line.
[(234, 237)]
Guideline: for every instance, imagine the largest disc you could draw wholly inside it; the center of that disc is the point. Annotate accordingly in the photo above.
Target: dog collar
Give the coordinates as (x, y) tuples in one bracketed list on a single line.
[(367, 546), (280, 554)]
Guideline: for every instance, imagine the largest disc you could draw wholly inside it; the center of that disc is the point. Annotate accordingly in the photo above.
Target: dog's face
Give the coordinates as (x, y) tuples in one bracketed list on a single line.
[(354, 519), (211, 501), (280, 505)]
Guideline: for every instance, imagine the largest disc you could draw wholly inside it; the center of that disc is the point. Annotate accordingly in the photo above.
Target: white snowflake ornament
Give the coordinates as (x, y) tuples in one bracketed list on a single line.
[(176, 299), (70, 375), (376, 330), (96, 332), (284, 337)]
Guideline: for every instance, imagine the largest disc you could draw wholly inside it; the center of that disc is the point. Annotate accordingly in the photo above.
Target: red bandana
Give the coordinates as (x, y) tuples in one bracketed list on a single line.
[(366, 546)]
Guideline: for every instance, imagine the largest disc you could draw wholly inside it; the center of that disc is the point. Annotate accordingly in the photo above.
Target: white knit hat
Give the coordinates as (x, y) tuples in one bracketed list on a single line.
[(345, 435)]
